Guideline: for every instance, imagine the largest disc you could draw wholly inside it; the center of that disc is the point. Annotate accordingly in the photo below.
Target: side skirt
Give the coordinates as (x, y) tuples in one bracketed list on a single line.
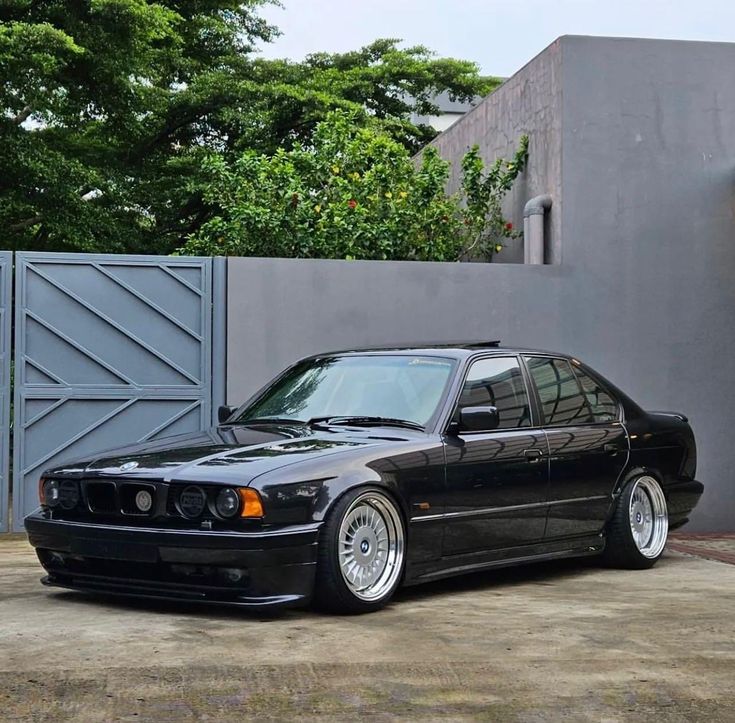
[(491, 559)]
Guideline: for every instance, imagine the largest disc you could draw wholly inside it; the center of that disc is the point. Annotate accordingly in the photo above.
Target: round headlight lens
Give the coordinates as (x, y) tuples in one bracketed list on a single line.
[(192, 501), (68, 494), (227, 503), (51, 493)]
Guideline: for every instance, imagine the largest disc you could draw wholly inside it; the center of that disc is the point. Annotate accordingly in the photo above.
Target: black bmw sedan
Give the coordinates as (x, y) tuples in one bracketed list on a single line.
[(353, 473)]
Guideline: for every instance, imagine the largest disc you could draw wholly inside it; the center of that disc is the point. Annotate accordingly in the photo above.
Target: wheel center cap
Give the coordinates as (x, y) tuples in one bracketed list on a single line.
[(364, 547), (638, 517)]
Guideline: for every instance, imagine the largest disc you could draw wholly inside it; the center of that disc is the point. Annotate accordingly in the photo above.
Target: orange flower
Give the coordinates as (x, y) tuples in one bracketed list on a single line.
[(352, 203)]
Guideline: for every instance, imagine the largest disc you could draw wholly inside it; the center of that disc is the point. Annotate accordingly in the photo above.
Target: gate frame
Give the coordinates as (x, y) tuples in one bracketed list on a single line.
[(214, 359), (6, 357)]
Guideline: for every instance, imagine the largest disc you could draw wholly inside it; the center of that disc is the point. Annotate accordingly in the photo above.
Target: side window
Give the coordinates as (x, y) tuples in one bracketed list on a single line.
[(603, 407), (497, 382), (562, 401)]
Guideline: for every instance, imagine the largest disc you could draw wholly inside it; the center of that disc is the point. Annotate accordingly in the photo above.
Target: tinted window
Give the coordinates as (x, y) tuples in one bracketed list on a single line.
[(602, 406), (562, 402), (497, 382), (402, 387)]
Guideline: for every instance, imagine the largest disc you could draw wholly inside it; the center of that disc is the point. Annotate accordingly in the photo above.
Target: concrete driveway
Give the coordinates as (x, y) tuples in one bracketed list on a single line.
[(540, 643)]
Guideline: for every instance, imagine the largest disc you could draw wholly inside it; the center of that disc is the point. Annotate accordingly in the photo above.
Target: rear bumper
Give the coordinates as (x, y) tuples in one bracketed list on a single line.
[(248, 569), (681, 499)]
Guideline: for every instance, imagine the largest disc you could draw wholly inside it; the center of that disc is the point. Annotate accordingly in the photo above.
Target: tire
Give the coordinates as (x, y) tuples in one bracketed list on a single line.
[(637, 531), (361, 553)]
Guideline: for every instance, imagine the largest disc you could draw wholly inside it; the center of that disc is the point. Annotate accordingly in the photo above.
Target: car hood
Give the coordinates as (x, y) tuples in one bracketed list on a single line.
[(230, 454)]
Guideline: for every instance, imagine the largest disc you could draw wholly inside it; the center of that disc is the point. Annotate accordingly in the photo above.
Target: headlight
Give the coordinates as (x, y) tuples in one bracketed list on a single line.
[(68, 494), (51, 493), (192, 501), (227, 503)]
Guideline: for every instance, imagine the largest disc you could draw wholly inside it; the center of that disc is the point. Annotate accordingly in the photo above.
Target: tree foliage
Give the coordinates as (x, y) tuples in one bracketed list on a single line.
[(112, 111), (354, 192)]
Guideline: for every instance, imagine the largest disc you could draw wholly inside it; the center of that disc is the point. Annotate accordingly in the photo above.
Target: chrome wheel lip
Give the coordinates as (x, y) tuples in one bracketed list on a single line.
[(648, 517), (371, 544)]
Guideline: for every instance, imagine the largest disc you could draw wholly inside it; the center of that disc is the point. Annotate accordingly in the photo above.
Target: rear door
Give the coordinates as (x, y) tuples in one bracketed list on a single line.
[(496, 479), (588, 445)]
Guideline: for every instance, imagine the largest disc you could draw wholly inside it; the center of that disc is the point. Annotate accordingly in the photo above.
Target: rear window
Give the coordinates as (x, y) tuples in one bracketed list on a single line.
[(602, 406), (562, 401)]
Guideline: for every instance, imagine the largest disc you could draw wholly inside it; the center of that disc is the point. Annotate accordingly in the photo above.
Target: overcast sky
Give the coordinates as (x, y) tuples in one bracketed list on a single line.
[(500, 35)]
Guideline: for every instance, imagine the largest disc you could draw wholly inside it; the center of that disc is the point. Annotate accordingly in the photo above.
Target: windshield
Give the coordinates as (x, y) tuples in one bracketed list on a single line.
[(393, 386)]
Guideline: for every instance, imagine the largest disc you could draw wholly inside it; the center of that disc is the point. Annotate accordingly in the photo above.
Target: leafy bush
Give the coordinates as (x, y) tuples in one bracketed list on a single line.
[(355, 193)]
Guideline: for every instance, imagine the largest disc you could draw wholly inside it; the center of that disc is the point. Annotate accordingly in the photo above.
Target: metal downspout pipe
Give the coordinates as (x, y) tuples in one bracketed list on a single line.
[(533, 229)]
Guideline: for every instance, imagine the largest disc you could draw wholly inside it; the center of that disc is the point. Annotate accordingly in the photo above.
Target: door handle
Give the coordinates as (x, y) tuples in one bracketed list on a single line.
[(610, 448), (533, 455)]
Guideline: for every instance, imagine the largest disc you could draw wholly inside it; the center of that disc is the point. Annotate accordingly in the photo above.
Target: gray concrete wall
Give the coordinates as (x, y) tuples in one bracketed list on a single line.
[(649, 242), (644, 291), (530, 103), (282, 309)]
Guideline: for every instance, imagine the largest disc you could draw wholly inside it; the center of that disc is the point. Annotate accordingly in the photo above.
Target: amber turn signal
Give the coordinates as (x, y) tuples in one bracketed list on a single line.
[(252, 506)]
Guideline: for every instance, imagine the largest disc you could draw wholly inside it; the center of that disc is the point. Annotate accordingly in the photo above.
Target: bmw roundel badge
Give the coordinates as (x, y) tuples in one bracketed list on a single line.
[(144, 501)]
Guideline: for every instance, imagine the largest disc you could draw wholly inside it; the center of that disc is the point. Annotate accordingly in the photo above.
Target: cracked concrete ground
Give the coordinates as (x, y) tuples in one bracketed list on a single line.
[(569, 641)]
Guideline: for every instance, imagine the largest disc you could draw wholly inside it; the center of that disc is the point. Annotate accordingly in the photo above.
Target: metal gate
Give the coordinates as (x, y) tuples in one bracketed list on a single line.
[(6, 289), (109, 350)]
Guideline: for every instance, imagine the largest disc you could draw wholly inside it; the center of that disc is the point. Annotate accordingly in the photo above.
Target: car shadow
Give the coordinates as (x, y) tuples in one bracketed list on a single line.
[(548, 573), (538, 573)]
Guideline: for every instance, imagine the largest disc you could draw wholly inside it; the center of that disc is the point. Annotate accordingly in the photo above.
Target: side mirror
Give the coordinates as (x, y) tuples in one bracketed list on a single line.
[(224, 413), (478, 419)]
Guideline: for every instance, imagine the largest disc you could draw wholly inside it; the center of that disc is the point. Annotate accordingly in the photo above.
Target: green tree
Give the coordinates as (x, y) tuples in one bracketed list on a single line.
[(378, 82), (354, 192), (96, 126), (110, 107)]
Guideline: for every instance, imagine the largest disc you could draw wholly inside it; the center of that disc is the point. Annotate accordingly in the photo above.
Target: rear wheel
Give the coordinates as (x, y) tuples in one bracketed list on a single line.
[(361, 553), (637, 532)]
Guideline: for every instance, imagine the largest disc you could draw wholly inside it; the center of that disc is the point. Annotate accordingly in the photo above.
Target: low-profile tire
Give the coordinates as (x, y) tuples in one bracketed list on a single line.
[(637, 531), (361, 553)]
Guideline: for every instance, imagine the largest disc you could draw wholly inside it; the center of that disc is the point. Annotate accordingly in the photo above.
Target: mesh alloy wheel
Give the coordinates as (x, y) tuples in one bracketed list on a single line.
[(637, 531), (649, 521), (371, 546), (361, 552)]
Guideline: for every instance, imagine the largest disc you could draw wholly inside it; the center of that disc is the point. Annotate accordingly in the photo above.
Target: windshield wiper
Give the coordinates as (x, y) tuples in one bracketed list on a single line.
[(268, 420), (365, 421)]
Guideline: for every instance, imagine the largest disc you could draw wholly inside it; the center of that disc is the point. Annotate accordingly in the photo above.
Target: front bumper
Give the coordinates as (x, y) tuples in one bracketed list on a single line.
[(251, 569)]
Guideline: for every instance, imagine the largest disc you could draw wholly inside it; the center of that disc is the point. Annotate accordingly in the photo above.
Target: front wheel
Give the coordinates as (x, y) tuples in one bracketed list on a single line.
[(361, 553), (637, 532)]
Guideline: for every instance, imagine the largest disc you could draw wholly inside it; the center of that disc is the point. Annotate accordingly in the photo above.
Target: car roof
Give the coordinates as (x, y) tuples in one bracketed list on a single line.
[(455, 349)]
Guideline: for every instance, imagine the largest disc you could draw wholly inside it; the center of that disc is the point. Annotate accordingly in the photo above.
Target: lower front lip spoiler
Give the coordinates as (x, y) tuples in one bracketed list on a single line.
[(154, 592)]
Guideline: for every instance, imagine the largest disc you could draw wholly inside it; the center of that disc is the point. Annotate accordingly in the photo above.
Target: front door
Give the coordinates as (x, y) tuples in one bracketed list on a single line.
[(496, 479), (588, 446)]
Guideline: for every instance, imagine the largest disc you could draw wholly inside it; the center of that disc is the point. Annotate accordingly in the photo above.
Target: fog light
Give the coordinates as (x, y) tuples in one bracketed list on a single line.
[(227, 503), (233, 574), (51, 493)]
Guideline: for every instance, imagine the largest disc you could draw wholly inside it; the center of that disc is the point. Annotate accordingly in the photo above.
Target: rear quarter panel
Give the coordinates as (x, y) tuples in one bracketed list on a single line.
[(663, 446)]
